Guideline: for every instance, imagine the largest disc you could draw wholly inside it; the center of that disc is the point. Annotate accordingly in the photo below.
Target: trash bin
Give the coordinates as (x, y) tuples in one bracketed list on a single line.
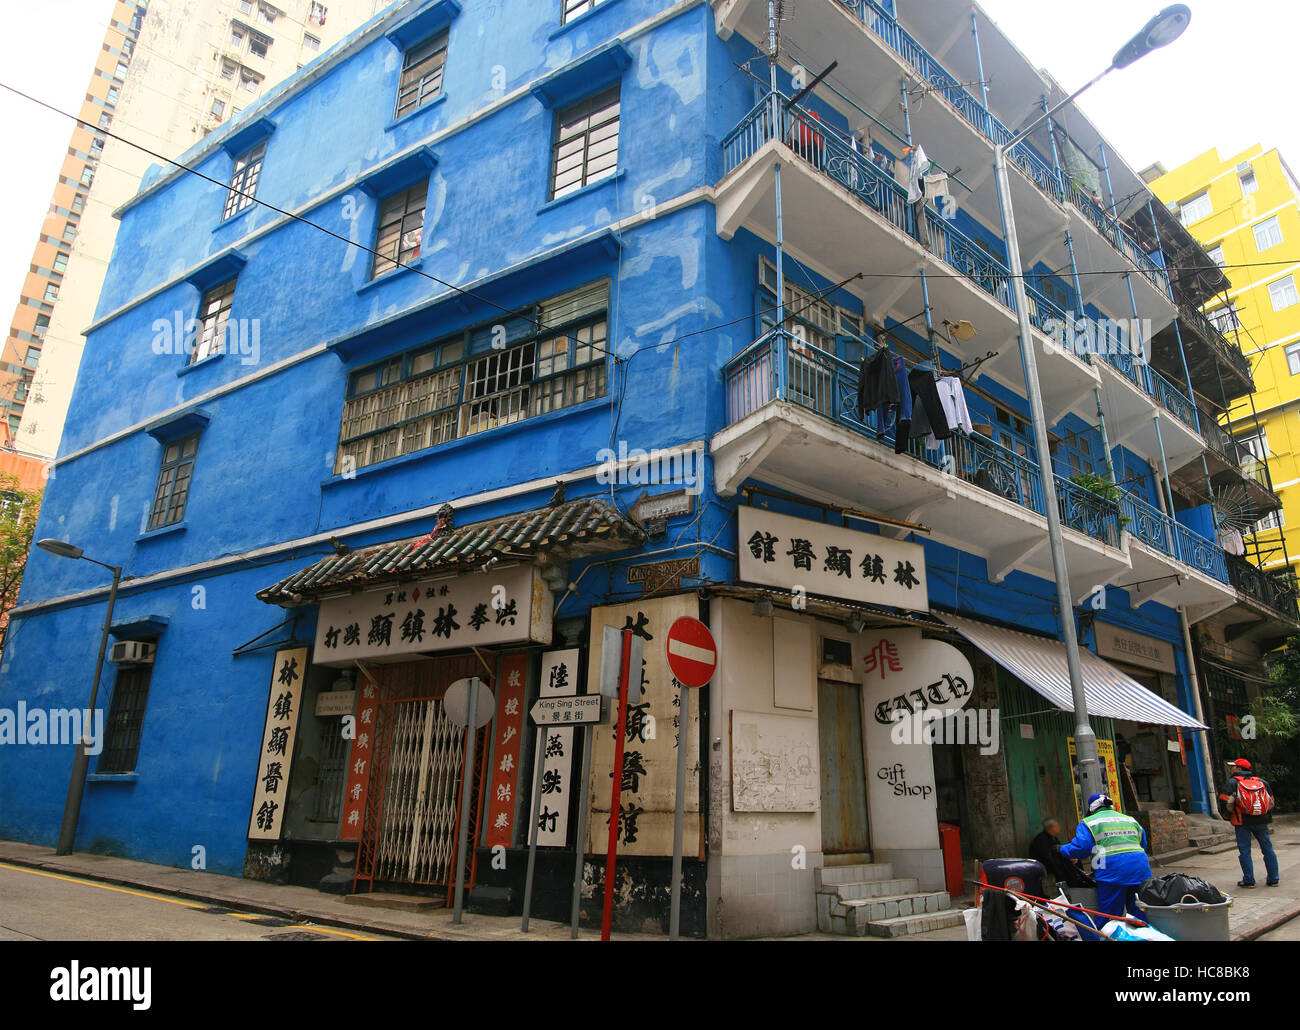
[(950, 845), (1190, 921), (1015, 874)]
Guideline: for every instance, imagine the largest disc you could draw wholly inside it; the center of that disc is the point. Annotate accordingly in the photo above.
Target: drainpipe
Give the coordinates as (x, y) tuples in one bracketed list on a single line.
[(929, 324), (1051, 135), (1203, 744), (979, 65), (907, 115), (1143, 371), (1164, 470), (1169, 279), (1110, 192), (777, 115), (1105, 440)]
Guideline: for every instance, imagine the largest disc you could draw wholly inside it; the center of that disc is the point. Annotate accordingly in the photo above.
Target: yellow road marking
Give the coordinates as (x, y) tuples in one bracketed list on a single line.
[(313, 928), (102, 886)]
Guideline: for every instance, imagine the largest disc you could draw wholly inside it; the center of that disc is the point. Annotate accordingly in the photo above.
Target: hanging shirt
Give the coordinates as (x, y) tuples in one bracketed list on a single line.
[(919, 165), (1232, 541), (953, 399)]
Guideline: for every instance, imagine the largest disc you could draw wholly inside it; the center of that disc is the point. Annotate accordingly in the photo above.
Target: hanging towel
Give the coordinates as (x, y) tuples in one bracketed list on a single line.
[(929, 418), (916, 169)]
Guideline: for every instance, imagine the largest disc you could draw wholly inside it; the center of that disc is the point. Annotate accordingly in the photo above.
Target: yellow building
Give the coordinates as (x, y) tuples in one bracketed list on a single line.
[(1244, 212)]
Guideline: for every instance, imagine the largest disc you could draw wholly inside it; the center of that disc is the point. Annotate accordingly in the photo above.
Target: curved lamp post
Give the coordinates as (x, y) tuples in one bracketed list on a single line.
[(1161, 30), (81, 760)]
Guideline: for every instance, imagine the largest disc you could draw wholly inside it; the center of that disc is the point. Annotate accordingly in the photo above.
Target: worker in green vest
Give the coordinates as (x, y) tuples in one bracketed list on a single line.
[(1117, 845)]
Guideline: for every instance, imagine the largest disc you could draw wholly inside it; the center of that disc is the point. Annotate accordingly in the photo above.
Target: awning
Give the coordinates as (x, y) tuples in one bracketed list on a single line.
[(1040, 663)]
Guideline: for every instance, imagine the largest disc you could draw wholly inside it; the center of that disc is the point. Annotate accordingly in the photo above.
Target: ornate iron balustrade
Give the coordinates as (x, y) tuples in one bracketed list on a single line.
[(1272, 590), (1216, 339), (1169, 536), (1172, 399)]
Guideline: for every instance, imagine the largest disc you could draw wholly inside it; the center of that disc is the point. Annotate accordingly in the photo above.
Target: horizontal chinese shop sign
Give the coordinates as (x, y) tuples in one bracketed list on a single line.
[(507, 606), (789, 553)]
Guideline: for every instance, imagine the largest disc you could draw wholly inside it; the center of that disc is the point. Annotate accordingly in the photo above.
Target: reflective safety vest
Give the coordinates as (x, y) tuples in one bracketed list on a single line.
[(1113, 834)]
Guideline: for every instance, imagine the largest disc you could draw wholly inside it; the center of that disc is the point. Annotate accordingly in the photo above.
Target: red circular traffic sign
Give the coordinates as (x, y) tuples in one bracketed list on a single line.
[(692, 655)]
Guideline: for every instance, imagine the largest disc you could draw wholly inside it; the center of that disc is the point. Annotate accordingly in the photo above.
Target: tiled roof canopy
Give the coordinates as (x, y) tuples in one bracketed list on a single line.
[(577, 528)]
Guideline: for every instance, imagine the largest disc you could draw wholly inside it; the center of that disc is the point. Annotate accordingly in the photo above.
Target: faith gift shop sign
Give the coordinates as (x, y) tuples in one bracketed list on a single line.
[(511, 606), (786, 552)]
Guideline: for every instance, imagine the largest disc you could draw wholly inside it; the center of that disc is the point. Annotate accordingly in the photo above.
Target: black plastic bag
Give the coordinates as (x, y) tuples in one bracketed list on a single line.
[(1177, 888)]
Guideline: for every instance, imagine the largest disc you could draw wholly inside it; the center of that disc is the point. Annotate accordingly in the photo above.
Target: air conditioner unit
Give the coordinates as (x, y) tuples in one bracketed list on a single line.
[(132, 652)]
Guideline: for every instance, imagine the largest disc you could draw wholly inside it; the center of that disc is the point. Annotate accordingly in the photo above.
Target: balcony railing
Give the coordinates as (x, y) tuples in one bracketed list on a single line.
[(1272, 590), (1169, 536), (899, 40), (780, 366), (1216, 339)]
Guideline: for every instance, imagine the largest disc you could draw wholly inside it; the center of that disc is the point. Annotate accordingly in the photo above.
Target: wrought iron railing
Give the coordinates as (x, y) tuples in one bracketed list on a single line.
[(1169, 536), (1214, 336), (1273, 590), (899, 40)]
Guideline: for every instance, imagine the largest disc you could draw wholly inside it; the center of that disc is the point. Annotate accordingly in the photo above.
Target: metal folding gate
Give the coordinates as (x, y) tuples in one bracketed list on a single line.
[(409, 832)]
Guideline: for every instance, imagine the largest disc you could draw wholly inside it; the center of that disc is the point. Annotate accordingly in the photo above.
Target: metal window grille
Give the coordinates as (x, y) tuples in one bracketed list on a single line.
[(573, 8), (586, 142), (243, 180), (173, 482), (214, 316), (125, 719), (401, 224), (422, 69)]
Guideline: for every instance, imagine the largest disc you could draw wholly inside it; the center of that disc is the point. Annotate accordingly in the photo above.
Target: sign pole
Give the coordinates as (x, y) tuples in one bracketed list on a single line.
[(679, 814), (467, 782), (580, 846), (533, 832), (614, 804)]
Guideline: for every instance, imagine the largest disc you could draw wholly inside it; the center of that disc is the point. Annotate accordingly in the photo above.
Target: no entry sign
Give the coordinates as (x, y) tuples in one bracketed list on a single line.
[(692, 655)]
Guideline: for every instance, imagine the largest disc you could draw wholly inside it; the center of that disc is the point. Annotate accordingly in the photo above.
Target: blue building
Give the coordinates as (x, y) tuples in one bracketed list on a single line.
[(482, 334)]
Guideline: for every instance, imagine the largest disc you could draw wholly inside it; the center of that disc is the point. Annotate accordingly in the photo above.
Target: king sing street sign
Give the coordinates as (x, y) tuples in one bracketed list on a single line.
[(565, 709)]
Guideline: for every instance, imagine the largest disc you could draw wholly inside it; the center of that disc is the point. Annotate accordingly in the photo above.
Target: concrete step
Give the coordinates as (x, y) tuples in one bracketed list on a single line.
[(1219, 849), (1209, 840), (848, 858), (852, 916), (871, 888), (859, 873), (901, 926)]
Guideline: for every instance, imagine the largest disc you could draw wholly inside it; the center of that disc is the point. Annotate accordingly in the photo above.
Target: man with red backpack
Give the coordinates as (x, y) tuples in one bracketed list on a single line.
[(1246, 801)]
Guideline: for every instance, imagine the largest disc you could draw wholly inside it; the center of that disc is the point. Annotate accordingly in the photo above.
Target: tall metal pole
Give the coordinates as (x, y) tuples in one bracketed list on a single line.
[(1085, 740), (464, 848), (81, 758), (580, 845), (675, 910)]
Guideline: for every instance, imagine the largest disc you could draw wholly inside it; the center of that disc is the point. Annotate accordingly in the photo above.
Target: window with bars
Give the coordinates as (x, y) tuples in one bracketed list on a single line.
[(422, 68), (214, 314), (573, 8), (466, 385), (174, 476), (1224, 319), (243, 180), (586, 143), (401, 226), (125, 719)]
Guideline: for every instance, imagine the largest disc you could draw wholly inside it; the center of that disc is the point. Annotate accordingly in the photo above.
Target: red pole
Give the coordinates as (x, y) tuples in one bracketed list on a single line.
[(611, 852)]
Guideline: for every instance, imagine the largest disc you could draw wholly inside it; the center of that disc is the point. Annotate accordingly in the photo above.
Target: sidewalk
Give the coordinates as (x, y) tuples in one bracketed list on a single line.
[(1253, 913)]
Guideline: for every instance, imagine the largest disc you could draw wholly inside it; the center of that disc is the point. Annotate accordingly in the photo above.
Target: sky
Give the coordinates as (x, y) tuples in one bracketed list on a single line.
[(1226, 83)]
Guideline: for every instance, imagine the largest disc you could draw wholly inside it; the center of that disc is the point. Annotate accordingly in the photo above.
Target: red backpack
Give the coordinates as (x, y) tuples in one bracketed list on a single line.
[(1253, 797)]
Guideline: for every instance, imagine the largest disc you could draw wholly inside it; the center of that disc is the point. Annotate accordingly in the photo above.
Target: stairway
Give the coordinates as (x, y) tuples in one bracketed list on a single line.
[(866, 899), (1211, 836)]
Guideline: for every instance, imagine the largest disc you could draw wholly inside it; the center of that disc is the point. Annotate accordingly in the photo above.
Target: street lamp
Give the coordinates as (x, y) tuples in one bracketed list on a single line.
[(81, 760), (1161, 30)]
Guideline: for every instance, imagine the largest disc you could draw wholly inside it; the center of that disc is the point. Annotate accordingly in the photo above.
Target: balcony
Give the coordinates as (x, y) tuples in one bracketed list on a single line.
[(1273, 591), (844, 215), (821, 28), (792, 421), (1213, 336)]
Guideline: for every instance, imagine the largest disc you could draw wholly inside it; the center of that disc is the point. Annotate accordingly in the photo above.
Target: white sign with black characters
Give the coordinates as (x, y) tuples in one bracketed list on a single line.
[(786, 552), (275, 756), (507, 607), (559, 676)]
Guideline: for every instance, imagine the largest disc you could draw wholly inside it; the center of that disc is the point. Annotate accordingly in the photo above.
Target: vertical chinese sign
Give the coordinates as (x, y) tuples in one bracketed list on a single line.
[(275, 756), (360, 758), (559, 676), (508, 732), (645, 818)]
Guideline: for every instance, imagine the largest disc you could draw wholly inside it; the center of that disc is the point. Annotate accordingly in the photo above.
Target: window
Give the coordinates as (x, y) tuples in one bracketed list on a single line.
[(243, 180), (237, 38), (249, 80), (173, 482), (60, 262), (42, 323), (87, 175), (121, 70), (33, 357), (228, 69), (96, 145), (105, 120), (586, 143), (69, 231), (317, 13), (125, 719), (1248, 182), (1293, 359), (78, 202), (422, 69), (112, 94), (1273, 520), (1283, 293), (1268, 233), (214, 313), (1216, 255), (401, 226), (218, 108), (573, 8), (310, 42), (1256, 443), (462, 385), (259, 44), (1195, 209), (267, 15), (1224, 319), (246, 6), (51, 293)]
